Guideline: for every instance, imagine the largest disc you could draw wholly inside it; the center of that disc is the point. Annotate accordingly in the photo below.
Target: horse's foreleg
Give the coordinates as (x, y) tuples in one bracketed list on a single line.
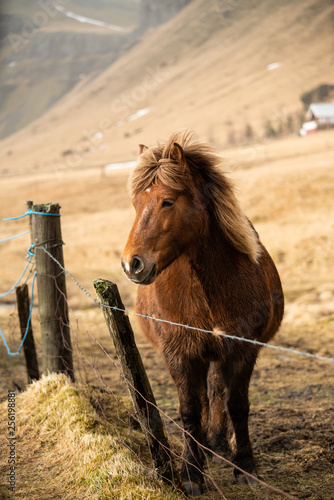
[(190, 380), (237, 382), (217, 423)]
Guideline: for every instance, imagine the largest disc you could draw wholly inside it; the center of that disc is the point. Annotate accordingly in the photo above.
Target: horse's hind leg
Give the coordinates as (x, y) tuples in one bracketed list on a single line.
[(217, 422), (237, 375)]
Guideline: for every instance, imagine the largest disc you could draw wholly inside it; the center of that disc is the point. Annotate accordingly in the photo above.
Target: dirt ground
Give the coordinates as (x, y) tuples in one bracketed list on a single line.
[(292, 410), (288, 192)]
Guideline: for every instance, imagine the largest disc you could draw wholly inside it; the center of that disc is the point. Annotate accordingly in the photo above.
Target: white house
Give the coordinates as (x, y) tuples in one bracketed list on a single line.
[(320, 115)]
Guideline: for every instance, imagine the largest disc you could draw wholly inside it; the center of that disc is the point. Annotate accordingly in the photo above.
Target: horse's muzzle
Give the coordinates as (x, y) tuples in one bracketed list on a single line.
[(139, 270)]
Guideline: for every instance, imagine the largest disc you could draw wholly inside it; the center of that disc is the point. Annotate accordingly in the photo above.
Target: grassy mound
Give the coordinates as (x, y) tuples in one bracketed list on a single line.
[(66, 450)]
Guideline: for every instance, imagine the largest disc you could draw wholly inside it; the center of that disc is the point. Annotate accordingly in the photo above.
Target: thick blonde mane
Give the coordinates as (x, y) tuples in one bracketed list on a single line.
[(202, 169)]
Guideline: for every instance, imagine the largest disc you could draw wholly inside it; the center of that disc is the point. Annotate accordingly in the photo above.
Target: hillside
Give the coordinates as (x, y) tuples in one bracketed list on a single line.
[(44, 53), (206, 69), (46, 49)]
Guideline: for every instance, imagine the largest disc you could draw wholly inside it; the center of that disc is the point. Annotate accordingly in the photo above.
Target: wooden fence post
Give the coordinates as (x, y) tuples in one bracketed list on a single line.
[(138, 384), (29, 205), (51, 285), (23, 306)]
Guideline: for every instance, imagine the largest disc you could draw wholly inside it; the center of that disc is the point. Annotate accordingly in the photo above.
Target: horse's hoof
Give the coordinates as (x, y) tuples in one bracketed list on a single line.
[(243, 479), (216, 460), (220, 460), (219, 456), (192, 488)]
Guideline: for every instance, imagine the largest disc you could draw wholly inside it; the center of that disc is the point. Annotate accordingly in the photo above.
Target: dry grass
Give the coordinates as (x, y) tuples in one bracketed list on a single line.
[(66, 450)]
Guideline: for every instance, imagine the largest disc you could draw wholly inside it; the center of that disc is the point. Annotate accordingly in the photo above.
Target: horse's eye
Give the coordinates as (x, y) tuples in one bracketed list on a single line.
[(167, 203)]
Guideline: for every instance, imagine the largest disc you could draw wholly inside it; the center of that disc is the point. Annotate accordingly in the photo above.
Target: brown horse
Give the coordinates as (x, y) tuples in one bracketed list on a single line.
[(202, 265)]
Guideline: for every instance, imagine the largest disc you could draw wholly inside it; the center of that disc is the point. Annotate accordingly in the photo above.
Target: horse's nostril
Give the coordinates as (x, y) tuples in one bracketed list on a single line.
[(137, 265)]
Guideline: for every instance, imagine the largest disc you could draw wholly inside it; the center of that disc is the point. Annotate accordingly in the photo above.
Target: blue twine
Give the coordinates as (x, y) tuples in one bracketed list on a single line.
[(30, 212), (30, 252), (13, 237), (28, 323), (31, 255)]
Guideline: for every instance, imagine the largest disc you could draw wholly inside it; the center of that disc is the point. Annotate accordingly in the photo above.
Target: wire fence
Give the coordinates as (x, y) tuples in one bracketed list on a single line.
[(30, 255), (87, 367), (188, 327), (86, 362)]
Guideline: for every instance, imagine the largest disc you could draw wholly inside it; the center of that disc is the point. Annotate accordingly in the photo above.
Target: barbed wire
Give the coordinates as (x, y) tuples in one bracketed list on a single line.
[(177, 455), (188, 327), (147, 316), (207, 475), (203, 447)]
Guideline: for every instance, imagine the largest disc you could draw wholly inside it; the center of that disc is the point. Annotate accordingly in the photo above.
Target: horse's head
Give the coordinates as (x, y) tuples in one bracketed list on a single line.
[(170, 217)]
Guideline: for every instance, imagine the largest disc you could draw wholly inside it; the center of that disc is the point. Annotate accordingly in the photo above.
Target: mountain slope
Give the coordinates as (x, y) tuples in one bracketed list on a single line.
[(44, 53), (206, 69)]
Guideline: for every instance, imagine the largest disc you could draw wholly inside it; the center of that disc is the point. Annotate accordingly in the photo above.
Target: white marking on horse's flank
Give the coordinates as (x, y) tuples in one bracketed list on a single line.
[(215, 331)]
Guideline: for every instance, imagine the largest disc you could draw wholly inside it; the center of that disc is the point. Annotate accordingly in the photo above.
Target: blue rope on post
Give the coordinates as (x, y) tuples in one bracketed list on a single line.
[(30, 212), (28, 323)]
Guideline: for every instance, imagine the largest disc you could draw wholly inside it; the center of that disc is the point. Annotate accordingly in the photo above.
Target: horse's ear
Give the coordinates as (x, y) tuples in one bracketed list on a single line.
[(142, 148), (177, 154)]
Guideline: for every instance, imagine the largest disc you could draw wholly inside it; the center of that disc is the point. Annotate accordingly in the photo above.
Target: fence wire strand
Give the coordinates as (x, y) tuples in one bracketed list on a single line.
[(176, 454), (188, 327), (100, 377)]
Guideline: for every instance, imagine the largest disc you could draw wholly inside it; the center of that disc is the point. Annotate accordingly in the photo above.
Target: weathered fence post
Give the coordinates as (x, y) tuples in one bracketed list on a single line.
[(51, 285), (23, 306), (138, 384)]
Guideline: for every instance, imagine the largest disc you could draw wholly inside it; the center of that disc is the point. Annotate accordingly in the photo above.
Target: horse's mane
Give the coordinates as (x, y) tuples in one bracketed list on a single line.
[(204, 167)]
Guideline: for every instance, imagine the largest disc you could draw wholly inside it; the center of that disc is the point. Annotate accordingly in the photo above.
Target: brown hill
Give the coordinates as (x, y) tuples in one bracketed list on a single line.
[(44, 52), (209, 69)]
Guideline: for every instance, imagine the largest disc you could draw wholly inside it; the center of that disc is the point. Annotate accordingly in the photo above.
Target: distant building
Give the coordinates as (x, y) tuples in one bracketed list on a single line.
[(320, 115)]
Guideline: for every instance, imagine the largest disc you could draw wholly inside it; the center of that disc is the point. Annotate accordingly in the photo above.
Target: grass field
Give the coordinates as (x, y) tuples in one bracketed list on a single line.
[(286, 188)]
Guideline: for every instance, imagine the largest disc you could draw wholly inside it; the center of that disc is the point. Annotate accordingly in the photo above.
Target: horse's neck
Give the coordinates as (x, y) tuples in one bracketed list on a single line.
[(213, 257), (197, 277)]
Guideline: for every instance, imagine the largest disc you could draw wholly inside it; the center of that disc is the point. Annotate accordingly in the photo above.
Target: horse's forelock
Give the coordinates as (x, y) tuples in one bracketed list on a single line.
[(155, 164)]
